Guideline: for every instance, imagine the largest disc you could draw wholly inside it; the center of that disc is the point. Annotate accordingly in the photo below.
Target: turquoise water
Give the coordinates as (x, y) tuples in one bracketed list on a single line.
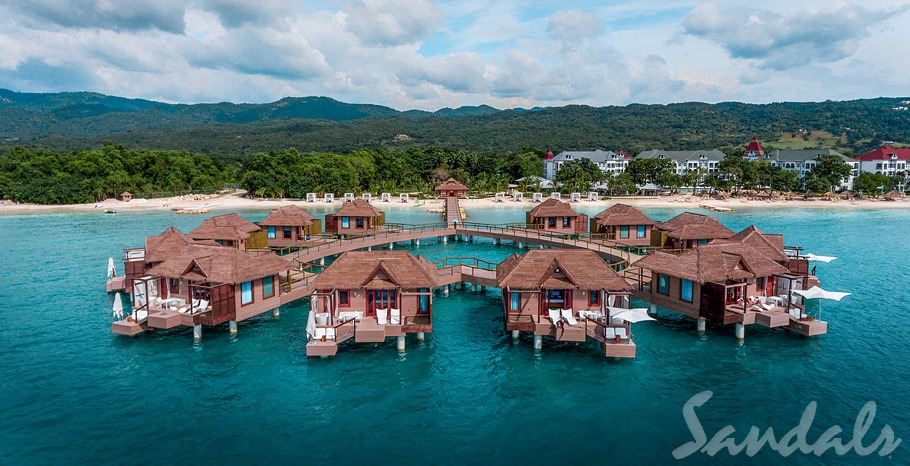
[(72, 392)]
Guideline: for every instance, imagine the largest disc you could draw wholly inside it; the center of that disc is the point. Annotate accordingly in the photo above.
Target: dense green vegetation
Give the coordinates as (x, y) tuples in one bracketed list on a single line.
[(289, 173), (77, 121), (46, 177)]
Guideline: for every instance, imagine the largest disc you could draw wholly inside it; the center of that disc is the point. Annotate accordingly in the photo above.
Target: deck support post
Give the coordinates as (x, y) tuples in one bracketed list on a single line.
[(197, 332), (740, 331), (421, 337), (391, 245), (515, 334), (417, 242), (538, 342), (322, 261), (521, 245), (276, 313), (232, 324), (654, 309), (445, 239), (702, 323), (541, 246), (457, 285), (480, 288), (369, 248), (497, 241), (445, 290), (401, 344)]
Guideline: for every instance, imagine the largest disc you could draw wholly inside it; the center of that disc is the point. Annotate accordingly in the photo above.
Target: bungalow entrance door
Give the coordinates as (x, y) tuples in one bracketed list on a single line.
[(380, 299)]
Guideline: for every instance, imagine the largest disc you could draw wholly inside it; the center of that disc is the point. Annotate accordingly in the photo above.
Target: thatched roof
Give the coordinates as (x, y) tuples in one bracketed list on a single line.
[(558, 269), (451, 184), (216, 264), (770, 245), (715, 262), (288, 216), (622, 214), (161, 247), (357, 208), (688, 225), (377, 270), (553, 208), (225, 227)]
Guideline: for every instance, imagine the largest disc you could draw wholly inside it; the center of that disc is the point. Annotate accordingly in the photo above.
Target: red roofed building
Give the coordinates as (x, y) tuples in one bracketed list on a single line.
[(754, 150), (885, 160)]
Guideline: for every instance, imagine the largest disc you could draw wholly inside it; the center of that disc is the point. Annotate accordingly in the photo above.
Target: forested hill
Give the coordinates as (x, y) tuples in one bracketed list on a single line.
[(70, 121)]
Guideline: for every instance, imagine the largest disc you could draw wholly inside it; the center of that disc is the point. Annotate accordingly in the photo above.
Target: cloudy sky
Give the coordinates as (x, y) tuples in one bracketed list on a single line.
[(428, 54)]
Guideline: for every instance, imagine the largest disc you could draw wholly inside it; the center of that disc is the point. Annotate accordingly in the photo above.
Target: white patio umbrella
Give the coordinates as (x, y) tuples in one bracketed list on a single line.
[(111, 271), (818, 293), (825, 259), (118, 306), (632, 315)]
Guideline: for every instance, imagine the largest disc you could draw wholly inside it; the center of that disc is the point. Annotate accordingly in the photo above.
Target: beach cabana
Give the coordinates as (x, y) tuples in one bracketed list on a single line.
[(126, 196), (624, 224), (687, 230), (289, 226), (231, 230), (565, 294), (355, 217), (372, 295), (555, 216), (451, 188)]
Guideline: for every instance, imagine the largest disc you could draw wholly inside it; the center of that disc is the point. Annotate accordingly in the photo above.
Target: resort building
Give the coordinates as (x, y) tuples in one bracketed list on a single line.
[(555, 216), (290, 226), (802, 161), (754, 150), (609, 162), (888, 161), (126, 196), (687, 230), (355, 217), (451, 188), (566, 294), (745, 279), (204, 285), (369, 296), (685, 161), (624, 224), (231, 230)]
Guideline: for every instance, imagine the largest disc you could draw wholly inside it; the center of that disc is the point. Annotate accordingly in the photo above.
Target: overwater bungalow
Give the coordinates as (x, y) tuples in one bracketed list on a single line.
[(742, 280), (289, 226), (231, 230), (687, 230), (566, 294), (555, 216), (204, 285), (355, 217), (157, 249), (369, 296), (624, 224), (451, 188)]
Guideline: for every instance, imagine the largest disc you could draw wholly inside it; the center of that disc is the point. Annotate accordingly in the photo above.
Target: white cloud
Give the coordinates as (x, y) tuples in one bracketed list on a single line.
[(429, 54)]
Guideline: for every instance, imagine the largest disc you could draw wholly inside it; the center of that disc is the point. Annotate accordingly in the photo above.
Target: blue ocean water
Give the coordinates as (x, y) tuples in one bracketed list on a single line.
[(72, 392)]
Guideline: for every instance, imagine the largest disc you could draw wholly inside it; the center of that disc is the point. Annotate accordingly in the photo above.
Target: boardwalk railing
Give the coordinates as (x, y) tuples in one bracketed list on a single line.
[(466, 261)]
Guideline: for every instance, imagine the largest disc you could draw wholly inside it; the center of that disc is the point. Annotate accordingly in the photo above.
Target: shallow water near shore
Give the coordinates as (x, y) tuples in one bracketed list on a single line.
[(72, 392)]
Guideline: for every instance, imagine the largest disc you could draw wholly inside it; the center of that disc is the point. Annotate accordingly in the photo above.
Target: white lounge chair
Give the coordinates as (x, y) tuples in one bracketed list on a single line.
[(610, 333), (328, 332), (382, 316), (200, 306), (395, 318), (569, 318), (621, 333), (555, 315)]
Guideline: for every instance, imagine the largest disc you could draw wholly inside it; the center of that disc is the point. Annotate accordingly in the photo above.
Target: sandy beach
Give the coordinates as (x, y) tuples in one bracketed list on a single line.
[(239, 201)]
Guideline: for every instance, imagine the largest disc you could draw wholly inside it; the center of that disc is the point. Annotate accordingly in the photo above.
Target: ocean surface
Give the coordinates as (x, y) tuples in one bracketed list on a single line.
[(71, 392)]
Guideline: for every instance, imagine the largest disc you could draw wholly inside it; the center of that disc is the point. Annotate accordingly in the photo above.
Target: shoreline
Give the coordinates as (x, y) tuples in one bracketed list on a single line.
[(230, 202)]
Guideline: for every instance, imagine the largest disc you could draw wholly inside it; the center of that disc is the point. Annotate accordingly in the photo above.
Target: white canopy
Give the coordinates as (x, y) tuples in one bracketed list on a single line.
[(630, 315), (818, 293), (813, 257)]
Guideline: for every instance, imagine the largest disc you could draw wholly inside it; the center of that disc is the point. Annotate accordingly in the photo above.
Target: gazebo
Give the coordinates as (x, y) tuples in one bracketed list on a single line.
[(452, 188)]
